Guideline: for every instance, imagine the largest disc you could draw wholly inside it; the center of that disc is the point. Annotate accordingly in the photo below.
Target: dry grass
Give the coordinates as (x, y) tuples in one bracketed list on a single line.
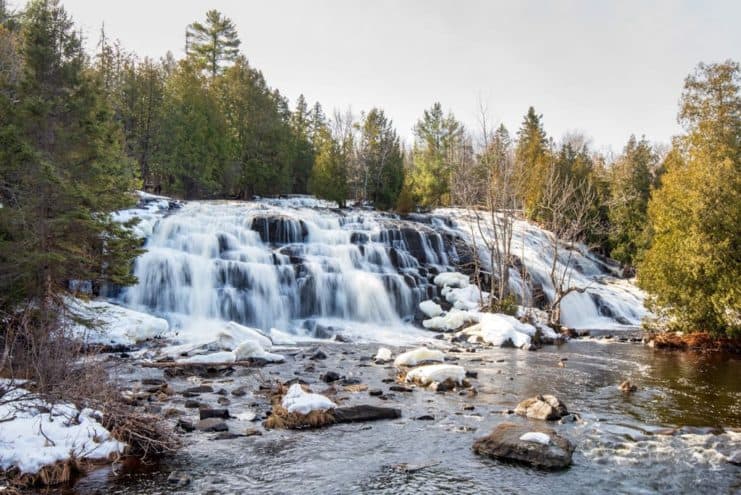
[(60, 473)]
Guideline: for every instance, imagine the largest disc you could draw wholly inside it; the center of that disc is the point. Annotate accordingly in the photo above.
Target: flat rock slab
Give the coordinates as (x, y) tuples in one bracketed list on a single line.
[(212, 424), (546, 407), (505, 443), (214, 413), (364, 413)]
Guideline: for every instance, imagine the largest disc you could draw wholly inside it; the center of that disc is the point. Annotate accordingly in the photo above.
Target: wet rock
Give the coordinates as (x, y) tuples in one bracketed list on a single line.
[(472, 374), (735, 458), (400, 388), (546, 407), (179, 479), (570, 418), (214, 413), (156, 382), (626, 387), (200, 389), (318, 355), (223, 401), (361, 413), (252, 432), (375, 392), (192, 404), (506, 442), (330, 376), (239, 392), (227, 435), (212, 424), (425, 417), (347, 382), (185, 425)]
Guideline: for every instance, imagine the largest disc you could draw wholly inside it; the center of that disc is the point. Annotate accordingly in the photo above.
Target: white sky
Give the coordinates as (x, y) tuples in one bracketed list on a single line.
[(606, 68)]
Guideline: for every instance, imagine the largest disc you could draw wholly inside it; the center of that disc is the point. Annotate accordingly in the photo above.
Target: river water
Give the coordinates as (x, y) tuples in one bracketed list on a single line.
[(623, 444)]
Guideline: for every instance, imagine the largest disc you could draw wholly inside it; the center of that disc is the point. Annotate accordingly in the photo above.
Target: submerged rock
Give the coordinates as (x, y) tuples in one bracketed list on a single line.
[(546, 407), (212, 424), (364, 413), (542, 449), (627, 387)]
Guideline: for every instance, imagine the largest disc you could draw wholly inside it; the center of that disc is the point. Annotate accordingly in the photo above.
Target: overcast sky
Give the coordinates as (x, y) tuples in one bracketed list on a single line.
[(606, 68)]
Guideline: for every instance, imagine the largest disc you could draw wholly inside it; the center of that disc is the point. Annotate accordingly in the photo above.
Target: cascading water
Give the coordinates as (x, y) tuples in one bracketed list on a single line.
[(268, 266), (289, 263)]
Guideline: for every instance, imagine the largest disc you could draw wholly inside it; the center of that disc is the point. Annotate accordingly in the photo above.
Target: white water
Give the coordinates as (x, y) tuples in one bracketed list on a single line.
[(279, 263)]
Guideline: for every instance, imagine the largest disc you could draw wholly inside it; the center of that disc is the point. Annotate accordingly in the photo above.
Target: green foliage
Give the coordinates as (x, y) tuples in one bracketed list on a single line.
[(693, 264), (329, 174), (62, 168), (532, 161), (381, 159), (630, 189), (438, 137)]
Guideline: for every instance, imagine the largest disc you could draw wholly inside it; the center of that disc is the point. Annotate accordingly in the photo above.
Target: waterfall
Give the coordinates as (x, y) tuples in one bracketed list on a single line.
[(290, 263)]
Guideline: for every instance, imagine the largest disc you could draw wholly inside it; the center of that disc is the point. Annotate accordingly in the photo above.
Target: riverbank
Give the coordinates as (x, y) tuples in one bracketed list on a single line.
[(696, 342)]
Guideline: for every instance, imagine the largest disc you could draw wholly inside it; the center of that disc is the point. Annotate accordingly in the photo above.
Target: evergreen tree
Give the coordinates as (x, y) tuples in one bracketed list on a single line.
[(329, 175), (381, 160), (693, 264), (213, 42), (532, 160), (303, 151), (439, 139), (62, 170), (191, 150), (630, 189)]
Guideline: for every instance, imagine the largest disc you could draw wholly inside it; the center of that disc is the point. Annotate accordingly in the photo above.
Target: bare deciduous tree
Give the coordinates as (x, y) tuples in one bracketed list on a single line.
[(566, 205)]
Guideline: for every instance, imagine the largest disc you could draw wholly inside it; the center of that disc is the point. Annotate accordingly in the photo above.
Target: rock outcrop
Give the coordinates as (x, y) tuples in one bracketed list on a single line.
[(543, 448)]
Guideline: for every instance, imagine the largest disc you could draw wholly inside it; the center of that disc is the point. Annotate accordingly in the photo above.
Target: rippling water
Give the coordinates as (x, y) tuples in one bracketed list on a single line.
[(618, 449)]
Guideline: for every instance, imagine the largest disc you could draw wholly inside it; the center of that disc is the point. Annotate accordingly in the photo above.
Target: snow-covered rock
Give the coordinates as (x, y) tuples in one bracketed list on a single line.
[(430, 308), (466, 298), (233, 334), (250, 349), (419, 355), (536, 436), (298, 401), (500, 330), (452, 320), (451, 279), (436, 373), (383, 355), (72, 433), (111, 324), (213, 358), (280, 337)]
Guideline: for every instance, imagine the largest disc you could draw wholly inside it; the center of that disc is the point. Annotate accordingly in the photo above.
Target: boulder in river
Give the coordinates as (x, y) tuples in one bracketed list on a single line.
[(627, 387), (546, 407), (543, 449)]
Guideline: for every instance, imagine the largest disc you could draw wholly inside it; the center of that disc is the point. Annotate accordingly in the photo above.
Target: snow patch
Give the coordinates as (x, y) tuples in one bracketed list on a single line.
[(112, 324), (436, 373), (451, 279), (430, 308), (74, 433), (498, 329), (452, 320), (536, 437), (383, 355), (298, 401), (419, 355)]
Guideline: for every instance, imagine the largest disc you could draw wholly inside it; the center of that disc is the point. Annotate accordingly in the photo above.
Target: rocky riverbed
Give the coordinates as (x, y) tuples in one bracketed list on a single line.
[(679, 431)]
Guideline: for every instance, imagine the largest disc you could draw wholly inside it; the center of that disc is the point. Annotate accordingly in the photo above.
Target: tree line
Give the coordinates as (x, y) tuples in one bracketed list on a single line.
[(79, 131)]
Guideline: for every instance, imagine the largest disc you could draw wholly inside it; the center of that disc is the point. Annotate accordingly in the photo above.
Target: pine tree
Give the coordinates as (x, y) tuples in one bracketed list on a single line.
[(62, 171), (303, 151), (439, 139), (532, 160), (212, 43), (693, 264), (381, 160), (630, 189)]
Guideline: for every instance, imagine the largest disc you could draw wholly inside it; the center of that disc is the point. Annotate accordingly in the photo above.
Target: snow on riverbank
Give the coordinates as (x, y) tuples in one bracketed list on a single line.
[(101, 322), (35, 434)]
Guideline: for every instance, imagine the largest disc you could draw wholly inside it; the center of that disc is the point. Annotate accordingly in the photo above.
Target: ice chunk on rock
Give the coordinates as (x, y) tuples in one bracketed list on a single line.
[(298, 401), (417, 356), (430, 308), (436, 373), (383, 355), (250, 349), (451, 279), (452, 320), (500, 330)]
